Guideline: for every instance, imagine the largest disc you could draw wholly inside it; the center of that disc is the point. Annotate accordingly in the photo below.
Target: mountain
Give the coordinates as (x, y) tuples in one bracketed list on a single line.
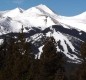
[(40, 22)]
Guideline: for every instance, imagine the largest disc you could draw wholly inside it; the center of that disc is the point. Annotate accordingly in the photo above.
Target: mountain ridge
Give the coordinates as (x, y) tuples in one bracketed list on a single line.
[(41, 13)]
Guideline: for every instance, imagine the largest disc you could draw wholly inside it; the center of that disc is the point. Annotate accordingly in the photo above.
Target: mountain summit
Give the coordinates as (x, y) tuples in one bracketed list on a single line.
[(13, 13)]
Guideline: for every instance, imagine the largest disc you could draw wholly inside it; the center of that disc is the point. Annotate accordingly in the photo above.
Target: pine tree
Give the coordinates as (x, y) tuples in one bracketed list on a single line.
[(48, 60), (82, 67), (83, 51), (27, 58), (60, 74), (3, 50), (3, 53)]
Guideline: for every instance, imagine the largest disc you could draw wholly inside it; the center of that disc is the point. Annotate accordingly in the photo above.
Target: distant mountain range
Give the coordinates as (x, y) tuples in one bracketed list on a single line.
[(40, 22)]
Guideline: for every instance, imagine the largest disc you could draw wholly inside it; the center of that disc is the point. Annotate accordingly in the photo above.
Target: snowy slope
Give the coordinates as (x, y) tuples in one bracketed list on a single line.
[(73, 22)]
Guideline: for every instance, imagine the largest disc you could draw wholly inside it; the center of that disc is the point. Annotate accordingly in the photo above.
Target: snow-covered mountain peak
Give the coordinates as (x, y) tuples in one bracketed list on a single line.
[(31, 11), (44, 8), (35, 16), (13, 13), (20, 9)]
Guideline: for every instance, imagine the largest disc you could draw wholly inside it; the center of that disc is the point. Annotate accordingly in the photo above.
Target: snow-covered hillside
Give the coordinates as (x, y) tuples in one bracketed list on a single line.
[(40, 22)]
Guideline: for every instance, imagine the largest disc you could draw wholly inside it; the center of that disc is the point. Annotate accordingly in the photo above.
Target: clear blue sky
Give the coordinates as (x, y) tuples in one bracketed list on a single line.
[(62, 7)]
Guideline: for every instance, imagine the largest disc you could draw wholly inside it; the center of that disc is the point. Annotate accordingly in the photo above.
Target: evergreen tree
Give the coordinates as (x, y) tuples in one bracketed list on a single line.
[(48, 60), (3, 50), (27, 58), (83, 51), (34, 73), (83, 64), (81, 72), (61, 72), (3, 53)]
